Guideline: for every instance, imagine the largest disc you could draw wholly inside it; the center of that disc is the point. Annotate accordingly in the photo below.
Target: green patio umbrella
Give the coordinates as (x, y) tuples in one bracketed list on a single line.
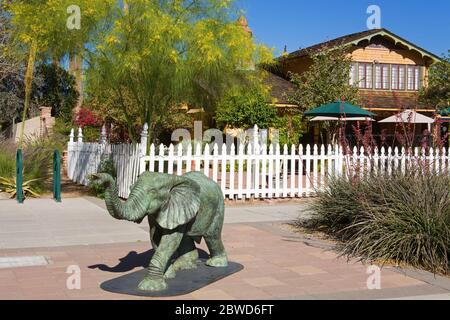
[(444, 112), (339, 109)]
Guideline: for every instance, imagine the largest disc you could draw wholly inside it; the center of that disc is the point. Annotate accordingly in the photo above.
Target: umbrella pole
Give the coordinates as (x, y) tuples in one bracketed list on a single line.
[(340, 133), (430, 136)]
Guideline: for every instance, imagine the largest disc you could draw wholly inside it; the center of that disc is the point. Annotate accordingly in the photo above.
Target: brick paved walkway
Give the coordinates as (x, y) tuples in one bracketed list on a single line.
[(277, 266)]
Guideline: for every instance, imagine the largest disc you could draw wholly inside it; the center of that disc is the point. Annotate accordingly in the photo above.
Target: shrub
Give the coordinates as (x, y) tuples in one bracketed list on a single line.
[(402, 218), (62, 129), (106, 166), (7, 159), (37, 163), (245, 109), (87, 118)]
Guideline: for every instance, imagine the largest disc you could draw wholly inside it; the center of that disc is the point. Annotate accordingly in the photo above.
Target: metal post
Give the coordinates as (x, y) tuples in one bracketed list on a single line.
[(57, 176), (19, 176)]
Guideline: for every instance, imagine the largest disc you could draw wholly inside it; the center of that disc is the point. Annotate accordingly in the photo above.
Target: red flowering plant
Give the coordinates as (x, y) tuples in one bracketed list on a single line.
[(87, 118), (90, 122)]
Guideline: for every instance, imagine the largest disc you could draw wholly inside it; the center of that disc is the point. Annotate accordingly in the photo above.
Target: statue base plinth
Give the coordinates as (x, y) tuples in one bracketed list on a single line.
[(186, 281)]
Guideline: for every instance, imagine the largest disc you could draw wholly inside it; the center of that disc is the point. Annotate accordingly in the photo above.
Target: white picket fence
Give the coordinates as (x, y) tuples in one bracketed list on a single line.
[(251, 171), (85, 159)]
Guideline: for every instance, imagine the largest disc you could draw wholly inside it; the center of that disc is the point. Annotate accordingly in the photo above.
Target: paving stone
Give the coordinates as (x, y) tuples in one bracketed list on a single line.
[(264, 282), (307, 270)]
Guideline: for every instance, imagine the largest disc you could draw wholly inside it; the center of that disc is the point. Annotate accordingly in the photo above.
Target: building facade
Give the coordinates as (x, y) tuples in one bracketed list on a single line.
[(388, 70)]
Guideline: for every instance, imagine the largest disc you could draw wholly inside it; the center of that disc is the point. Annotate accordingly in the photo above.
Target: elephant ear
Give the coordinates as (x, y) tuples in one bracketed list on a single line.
[(182, 206)]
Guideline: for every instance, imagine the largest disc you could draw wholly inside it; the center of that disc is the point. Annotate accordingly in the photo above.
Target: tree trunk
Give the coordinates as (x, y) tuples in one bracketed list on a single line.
[(76, 70), (28, 87)]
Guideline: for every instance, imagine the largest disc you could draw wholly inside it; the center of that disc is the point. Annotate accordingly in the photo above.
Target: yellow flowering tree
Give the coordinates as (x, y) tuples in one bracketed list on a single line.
[(157, 55), (40, 29)]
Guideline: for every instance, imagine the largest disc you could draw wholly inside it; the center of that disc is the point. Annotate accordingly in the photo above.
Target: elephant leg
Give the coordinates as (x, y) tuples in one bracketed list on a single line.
[(217, 251), (154, 281), (155, 236), (155, 233), (187, 258)]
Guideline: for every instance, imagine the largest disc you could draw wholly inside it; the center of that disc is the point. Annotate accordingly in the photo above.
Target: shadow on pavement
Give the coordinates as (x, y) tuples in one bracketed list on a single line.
[(134, 260)]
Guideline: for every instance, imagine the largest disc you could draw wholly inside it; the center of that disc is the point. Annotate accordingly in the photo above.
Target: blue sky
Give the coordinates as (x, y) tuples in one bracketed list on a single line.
[(301, 23)]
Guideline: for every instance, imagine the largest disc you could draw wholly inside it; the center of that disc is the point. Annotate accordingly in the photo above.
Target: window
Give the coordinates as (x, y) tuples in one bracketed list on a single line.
[(394, 77), (413, 80), (353, 74), (386, 76), (401, 78), (382, 76), (417, 77), (365, 75), (397, 77)]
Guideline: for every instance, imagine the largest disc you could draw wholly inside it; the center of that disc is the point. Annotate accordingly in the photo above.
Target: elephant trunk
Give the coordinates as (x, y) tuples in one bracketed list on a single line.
[(134, 209)]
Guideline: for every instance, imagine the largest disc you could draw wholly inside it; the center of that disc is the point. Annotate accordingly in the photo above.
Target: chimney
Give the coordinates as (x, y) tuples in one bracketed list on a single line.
[(242, 21), (47, 121)]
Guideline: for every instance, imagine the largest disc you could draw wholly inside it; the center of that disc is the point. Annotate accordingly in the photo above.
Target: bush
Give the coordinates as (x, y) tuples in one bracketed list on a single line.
[(58, 90), (87, 118), (7, 159), (106, 166), (62, 129), (245, 109), (37, 162), (404, 218)]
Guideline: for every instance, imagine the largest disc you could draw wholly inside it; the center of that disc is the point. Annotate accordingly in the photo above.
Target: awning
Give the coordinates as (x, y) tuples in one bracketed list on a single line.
[(444, 112), (408, 116)]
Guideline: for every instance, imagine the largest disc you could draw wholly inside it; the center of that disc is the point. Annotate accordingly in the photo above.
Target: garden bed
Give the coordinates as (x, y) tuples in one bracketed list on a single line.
[(401, 219)]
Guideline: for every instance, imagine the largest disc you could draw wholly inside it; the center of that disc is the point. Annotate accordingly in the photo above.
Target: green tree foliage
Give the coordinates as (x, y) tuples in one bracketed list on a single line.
[(12, 72), (40, 32), (246, 108), (52, 86), (38, 26), (327, 80), (157, 55), (57, 91), (437, 93), (291, 126), (8, 63), (12, 96)]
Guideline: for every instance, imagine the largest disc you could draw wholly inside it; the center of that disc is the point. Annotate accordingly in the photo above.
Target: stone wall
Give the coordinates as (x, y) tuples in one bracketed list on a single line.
[(36, 127)]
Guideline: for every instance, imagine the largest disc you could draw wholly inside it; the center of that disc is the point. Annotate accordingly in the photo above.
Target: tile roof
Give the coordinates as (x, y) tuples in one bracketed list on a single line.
[(279, 87), (351, 38)]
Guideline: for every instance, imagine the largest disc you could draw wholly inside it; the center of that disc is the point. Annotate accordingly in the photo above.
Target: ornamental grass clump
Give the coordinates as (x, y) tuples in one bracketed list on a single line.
[(37, 165), (402, 218)]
